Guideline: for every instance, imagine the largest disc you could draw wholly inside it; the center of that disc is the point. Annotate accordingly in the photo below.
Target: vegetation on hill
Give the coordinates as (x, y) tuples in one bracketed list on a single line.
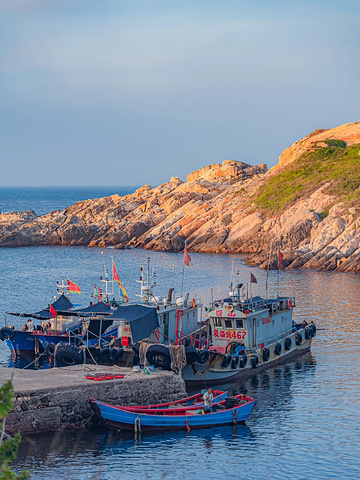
[(334, 163)]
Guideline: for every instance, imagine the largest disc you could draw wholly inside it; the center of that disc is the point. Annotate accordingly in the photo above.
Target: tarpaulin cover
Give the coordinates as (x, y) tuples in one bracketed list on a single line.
[(143, 320), (62, 303), (97, 327), (99, 308)]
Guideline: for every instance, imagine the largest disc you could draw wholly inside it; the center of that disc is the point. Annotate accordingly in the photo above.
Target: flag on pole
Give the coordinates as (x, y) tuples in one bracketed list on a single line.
[(73, 287), (187, 258), (281, 266), (253, 278), (52, 311), (117, 279), (99, 295)]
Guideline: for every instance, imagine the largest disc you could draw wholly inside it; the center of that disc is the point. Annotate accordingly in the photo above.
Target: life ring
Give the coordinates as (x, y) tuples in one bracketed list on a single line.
[(287, 343), (159, 356), (203, 356), (193, 303), (298, 339), (266, 354), (289, 304), (6, 333), (255, 361), (243, 361), (234, 362), (50, 348), (245, 311), (277, 349), (226, 361), (68, 355)]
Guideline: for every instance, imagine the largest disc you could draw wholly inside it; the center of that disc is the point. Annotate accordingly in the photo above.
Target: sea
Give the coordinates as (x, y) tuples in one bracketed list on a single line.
[(306, 424)]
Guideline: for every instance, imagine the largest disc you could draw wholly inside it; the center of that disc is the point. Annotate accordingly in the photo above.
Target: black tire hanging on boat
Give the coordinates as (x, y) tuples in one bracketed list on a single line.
[(159, 356), (298, 339), (104, 355), (6, 333), (92, 353), (50, 348), (68, 355), (203, 356), (119, 355), (255, 361), (226, 361), (313, 329), (234, 362), (266, 354), (136, 347), (191, 355), (277, 348), (243, 361), (112, 354), (308, 332), (287, 343)]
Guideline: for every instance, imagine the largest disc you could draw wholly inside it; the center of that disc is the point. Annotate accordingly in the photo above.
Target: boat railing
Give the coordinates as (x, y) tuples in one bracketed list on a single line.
[(276, 338), (158, 334), (195, 338)]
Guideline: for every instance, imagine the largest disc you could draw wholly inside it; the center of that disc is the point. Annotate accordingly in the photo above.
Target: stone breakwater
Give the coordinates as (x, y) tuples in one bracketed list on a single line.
[(58, 398), (214, 211)]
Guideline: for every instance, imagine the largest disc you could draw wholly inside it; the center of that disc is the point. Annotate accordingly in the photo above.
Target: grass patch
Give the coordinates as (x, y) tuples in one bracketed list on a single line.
[(335, 164)]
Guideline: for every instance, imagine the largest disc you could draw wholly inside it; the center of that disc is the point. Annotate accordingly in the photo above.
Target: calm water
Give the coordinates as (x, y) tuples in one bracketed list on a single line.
[(306, 423), (47, 199)]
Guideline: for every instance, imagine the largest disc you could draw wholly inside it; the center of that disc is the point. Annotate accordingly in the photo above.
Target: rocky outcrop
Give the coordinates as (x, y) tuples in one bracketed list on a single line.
[(349, 133), (214, 211)]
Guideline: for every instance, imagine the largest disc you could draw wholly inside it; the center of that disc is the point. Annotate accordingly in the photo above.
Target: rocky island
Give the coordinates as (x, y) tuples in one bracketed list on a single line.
[(308, 204)]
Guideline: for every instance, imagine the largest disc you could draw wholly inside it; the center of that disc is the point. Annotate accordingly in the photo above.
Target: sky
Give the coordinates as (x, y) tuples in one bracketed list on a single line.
[(132, 92)]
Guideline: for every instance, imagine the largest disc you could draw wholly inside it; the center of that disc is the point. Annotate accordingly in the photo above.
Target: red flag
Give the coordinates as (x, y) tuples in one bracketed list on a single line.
[(115, 274), (52, 311), (187, 258), (73, 287), (252, 278), (99, 294), (281, 266), (117, 279)]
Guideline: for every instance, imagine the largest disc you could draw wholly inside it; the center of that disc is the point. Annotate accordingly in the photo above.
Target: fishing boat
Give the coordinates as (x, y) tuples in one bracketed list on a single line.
[(224, 413), (109, 329), (192, 401), (245, 334)]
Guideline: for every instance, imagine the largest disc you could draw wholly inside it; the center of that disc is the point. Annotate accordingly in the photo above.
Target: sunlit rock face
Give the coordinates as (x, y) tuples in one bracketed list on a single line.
[(214, 210)]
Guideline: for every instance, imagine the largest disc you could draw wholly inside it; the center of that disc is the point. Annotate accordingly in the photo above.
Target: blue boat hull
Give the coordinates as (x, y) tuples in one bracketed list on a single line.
[(115, 417)]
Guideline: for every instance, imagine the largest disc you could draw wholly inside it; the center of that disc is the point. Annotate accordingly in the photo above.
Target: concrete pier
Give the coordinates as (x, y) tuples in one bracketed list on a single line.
[(47, 400)]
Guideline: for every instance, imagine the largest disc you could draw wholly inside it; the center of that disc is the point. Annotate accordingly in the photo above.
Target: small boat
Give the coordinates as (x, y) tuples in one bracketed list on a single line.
[(227, 412), (195, 401)]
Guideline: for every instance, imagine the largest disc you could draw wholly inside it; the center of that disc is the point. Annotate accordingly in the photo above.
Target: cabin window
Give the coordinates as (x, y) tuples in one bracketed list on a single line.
[(239, 323), (228, 323), (217, 322)]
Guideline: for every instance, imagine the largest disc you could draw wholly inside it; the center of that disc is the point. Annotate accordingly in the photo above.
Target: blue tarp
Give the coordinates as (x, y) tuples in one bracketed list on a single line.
[(143, 319)]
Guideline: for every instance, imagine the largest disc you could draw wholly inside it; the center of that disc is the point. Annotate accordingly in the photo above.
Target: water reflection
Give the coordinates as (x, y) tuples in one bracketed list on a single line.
[(304, 425)]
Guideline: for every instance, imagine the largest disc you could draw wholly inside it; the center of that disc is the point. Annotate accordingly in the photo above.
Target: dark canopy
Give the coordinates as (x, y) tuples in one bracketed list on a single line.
[(99, 308), (97, 327), (62, 303), (143, 320)]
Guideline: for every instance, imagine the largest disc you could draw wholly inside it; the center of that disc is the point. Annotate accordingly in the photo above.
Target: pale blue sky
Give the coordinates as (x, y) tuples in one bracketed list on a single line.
[(112, 92)]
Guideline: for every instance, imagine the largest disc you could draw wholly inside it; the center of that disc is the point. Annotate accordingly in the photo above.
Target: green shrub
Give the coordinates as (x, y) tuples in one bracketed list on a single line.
[(337, 166)]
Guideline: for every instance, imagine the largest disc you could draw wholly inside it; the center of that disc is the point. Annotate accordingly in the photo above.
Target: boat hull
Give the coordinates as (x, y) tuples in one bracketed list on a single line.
[(115, 417), (211, 373)]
